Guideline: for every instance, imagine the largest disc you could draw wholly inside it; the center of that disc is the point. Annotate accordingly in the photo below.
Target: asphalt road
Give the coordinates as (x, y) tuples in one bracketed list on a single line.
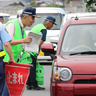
[(46, 92)]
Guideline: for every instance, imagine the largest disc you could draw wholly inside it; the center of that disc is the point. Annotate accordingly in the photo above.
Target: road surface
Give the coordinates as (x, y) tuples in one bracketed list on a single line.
[(46, 92)]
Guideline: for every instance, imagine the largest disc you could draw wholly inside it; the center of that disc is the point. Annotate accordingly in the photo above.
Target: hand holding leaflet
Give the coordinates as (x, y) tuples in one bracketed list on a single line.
[(34, 45)]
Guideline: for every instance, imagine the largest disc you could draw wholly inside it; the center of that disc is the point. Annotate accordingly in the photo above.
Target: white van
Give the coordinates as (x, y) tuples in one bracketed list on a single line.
[(5, 16), (43, 12), (12, 17)]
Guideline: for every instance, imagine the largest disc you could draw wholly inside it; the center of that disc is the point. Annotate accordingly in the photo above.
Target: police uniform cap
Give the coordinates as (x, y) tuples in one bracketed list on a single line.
[(1, 17), (30, 11), (51, 19)]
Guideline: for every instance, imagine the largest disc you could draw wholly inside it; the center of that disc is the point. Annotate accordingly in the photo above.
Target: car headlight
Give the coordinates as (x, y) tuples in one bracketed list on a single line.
[(62, 74)]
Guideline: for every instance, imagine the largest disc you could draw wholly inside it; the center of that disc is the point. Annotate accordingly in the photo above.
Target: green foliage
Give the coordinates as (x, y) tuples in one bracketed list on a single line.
[(68, 1), (55, 5), (33, 4), (90, 5)]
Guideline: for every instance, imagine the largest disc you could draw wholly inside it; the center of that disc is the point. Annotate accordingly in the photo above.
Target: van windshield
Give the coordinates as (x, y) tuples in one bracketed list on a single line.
[(6, 18), (43, 16)]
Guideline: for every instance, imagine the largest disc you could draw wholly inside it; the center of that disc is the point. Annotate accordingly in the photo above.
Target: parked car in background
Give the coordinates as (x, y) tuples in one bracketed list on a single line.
[(43, 12), (74, 65), (6, 17), (12, 17)]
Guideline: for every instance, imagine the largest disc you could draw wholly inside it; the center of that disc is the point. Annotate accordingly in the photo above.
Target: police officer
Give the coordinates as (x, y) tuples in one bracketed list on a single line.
[(1, 19), (4, 40)]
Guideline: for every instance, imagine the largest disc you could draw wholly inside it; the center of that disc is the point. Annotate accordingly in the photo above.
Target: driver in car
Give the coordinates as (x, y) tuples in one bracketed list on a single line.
[(84, 42)]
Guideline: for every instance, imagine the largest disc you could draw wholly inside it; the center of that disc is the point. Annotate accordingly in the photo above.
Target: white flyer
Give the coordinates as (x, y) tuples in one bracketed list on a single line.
[(34, 45)]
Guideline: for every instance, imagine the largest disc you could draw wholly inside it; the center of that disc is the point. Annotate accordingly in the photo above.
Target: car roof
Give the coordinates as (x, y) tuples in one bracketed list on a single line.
[(73, 15), (50, 10), (78, 20), (47, 10), (13, 16), (80, 14), (83, 20), (4, 14)]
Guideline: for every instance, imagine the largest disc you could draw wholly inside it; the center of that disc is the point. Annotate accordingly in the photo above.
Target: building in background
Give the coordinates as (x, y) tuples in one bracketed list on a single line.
[(12, 6)]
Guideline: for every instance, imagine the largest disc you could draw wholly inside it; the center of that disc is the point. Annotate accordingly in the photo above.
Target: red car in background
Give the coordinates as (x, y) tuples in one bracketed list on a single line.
[(74, 65)]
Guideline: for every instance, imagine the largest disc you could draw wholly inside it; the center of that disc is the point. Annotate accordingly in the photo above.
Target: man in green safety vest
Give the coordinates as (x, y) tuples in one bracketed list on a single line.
[(39, 29)]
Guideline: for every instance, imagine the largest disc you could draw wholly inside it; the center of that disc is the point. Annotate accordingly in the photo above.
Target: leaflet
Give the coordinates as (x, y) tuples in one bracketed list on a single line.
[(34, 45)]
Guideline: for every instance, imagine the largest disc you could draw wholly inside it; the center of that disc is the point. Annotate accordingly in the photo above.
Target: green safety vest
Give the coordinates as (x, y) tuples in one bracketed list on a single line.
[(16, 49), (37, 29)]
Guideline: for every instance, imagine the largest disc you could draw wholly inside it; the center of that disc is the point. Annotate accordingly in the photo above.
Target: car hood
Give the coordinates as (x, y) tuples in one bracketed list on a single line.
[(78, 64)]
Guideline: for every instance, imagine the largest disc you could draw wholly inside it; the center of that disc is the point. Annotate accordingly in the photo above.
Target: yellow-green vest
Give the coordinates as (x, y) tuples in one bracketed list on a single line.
[(16, 49), (37, 29)]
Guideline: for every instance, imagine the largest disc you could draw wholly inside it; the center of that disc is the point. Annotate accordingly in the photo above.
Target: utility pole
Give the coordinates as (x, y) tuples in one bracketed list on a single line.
[(53, 3), (65, 3), (58, 2)]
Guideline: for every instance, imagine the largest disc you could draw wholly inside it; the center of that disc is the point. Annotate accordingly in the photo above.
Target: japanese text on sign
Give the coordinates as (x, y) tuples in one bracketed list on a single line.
[(14, 78)]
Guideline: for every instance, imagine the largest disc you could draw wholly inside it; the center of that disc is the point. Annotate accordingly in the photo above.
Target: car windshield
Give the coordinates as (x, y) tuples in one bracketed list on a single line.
[(6, 18), (79, 38), (43, 16)]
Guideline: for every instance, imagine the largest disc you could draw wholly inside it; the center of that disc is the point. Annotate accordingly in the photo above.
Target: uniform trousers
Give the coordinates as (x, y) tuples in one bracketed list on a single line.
[(5, 90), (32, 76), (2, 75)]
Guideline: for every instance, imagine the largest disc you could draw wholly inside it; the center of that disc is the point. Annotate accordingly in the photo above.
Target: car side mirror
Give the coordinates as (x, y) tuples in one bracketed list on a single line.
[(47, 48)]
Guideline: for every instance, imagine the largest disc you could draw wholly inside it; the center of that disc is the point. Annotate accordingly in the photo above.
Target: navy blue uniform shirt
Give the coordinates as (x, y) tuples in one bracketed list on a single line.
[(44, 32)]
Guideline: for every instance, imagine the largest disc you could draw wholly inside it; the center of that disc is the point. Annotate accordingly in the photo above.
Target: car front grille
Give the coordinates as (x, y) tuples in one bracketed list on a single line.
[(85, 82)]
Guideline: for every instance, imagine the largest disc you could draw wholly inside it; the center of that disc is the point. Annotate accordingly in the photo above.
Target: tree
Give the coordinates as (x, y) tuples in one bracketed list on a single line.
[(90, 5), (55, 5), (68, 1), (33, 4)]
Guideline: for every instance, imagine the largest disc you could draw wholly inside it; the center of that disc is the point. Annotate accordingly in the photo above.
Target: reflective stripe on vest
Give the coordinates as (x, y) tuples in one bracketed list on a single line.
[(2, 53)]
